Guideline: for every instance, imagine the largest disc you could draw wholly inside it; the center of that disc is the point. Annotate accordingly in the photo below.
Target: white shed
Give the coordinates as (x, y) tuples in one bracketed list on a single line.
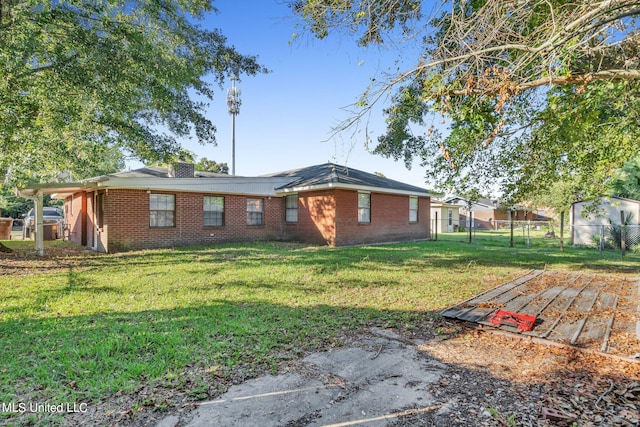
[(587, 220), (448, 216)]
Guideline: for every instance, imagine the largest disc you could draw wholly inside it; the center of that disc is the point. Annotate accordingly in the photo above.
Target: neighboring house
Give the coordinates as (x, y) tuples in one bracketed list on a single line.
[(448, 216), (488, 213), (588, 218), (159, 207)]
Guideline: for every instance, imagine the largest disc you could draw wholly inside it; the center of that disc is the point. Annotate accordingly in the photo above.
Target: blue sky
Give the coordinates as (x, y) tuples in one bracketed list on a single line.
[(286, 116)]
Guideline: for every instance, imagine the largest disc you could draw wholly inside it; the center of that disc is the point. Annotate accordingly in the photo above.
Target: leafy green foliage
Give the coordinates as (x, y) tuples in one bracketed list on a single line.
[(84, 80), (533, 93), (206, 165), (626, 182), (614, 232), (202, 165), (12, 205), (371, 19)]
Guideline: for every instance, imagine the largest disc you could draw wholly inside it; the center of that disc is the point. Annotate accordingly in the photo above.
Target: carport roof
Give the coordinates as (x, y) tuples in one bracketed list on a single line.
[(55, 188)]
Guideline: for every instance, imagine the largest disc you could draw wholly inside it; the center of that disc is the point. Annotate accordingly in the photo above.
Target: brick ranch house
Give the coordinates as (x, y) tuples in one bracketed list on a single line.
[(487, 213), (325, 204)]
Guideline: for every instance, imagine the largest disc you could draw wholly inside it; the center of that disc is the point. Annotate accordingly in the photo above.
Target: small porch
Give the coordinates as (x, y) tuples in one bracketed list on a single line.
[(85, 237)]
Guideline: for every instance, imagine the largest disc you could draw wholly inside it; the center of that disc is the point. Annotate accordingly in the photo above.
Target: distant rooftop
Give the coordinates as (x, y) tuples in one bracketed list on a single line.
[(160, 172)]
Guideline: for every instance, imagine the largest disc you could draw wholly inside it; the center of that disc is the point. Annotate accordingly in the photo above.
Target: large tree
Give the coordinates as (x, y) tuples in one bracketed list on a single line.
[(626, 182), (533, 92), (84, 79)]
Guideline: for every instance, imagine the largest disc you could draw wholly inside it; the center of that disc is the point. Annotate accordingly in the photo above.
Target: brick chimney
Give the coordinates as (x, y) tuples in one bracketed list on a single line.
[(181, 170)]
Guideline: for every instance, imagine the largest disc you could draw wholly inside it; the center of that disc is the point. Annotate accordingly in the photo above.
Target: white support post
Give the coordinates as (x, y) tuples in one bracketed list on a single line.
[(39, 237)]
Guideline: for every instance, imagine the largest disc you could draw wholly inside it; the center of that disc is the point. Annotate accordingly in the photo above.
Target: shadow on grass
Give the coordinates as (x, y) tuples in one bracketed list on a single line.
[(84, 358), (447, 253), (198, 352)]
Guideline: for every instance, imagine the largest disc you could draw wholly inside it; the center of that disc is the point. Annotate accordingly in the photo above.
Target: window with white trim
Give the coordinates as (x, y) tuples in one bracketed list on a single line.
[(213, 211), (255, 212), (162, 210), (364, 208), (291, 208), (413, 209)]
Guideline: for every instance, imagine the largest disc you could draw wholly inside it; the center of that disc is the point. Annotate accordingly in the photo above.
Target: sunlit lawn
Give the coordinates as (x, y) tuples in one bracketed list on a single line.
[(88, 325)]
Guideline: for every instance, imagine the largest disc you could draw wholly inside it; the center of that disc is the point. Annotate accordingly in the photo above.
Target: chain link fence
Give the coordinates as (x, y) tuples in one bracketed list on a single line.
[(607, 237), (541, 233)]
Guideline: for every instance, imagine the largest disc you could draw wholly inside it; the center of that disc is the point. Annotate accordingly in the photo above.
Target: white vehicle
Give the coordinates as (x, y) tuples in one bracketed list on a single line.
[(50, 215)]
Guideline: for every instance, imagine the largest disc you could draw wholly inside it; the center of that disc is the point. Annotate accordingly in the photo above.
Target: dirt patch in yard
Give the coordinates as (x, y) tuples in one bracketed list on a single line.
[(475, 378), (21, 259), (529, 383)]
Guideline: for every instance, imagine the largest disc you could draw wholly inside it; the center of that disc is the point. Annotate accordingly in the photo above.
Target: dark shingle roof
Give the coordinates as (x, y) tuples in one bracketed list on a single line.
[(160, 172), (329, 173)]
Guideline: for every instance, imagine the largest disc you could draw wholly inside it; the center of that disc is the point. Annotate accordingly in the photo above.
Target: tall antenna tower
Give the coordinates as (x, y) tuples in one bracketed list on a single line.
[(233, 104)]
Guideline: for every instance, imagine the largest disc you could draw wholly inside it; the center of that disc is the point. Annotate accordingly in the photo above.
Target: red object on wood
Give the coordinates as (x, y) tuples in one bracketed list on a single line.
[(523, 322)]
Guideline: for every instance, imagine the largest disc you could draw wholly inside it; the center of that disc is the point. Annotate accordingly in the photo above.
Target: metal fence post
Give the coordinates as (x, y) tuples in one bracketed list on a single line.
[(622, 234), (511, 228), (436, 227), (601, 243), (562, 231)]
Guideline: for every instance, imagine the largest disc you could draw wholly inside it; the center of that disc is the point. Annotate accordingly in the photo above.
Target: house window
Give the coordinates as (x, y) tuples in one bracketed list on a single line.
[(255, 212), (450, 217), (291, 208), (364, 208), (162, 210), (213, 211), (413, 209)]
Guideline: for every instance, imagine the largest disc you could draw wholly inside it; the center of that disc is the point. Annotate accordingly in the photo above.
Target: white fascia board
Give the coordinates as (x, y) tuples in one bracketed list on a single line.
[(444, 205), (58, 189), (231, 185), (356, 187)]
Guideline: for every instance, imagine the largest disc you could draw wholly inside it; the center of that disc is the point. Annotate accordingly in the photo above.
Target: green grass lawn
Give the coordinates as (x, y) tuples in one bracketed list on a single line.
[(84, 326)]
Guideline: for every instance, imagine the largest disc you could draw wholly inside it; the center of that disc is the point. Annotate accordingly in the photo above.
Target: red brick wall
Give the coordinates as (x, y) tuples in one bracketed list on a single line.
[(486, 218), (316, 215), (331, 217), (126, 215), (89, 224), (73, 214), (389, 219), (324, 217)]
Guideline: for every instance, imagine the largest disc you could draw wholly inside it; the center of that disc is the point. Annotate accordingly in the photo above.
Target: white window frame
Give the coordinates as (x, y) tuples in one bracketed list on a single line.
[(364, 208), (162, 210), (291, 208), (255, 212), (413, 209), (213, 216)]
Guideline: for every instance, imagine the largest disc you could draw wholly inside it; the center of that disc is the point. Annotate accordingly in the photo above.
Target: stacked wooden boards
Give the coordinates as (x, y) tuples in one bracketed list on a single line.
[(590, 311)]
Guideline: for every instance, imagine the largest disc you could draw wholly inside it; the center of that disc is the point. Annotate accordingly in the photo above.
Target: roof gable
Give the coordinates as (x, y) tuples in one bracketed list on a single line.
[(605, 198)]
